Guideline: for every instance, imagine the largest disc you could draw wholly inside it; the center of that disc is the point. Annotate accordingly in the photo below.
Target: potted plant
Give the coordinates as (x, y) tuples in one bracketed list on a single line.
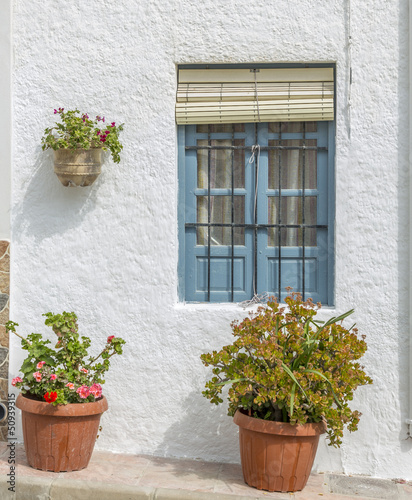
[(292, 377), (78, 142), (61, 394)]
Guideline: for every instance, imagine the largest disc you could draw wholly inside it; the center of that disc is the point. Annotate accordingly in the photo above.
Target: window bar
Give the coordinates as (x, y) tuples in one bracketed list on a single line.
[(279, 210), (209, 151), (303, 209), (257, 226), (262, 148), (233, 216)]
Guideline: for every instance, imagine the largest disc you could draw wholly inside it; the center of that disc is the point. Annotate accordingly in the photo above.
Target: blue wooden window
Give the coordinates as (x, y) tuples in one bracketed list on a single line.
[(256, 211)]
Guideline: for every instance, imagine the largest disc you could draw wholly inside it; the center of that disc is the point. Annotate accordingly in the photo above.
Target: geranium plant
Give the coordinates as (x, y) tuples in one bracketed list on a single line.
[(63, 374), (78, 131), (285, 365)]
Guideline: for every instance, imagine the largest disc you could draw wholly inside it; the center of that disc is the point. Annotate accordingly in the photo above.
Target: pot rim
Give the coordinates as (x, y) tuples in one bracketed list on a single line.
[(70, 410), (93, 148), (73, 152), (281, 428)]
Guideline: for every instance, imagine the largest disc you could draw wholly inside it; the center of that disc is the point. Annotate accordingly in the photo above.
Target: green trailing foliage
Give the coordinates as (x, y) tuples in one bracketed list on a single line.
[(285, 365)]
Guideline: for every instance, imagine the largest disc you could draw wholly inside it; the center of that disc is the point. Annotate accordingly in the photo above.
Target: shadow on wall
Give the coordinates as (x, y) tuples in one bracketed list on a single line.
[(47, 207), (203, 431)]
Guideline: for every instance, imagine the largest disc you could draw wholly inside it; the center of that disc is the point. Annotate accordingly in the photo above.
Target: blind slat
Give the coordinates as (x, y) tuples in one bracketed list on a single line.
[(233, 96)]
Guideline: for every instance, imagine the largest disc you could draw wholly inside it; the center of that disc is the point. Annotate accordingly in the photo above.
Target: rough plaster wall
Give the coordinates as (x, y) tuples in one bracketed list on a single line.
[(110, 252), (5, 113)]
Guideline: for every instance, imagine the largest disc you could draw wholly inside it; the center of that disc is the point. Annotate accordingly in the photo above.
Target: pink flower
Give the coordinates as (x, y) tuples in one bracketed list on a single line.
[(113, 124), (96, 390), (15, 381), (37, 376), (53, 376), (83, 391), (70, 385), (84, 370), (110, 338), (40, 364)]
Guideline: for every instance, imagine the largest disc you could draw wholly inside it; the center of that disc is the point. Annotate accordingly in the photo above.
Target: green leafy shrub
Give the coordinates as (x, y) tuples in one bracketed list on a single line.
[(286, 366), (79, 131), (63, 374)]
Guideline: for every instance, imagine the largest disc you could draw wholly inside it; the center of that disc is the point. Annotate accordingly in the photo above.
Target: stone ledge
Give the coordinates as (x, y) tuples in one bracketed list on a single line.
[(363, 486)]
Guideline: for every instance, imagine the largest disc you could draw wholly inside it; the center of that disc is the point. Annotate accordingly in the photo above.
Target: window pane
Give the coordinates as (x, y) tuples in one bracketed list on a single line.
[(221, 213), (292, 213), (291, 127), (291, 165), (220, 128), (221, 164)]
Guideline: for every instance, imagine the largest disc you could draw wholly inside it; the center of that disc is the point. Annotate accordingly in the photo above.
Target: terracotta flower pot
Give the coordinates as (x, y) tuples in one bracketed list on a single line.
[(77, 167), (276, 456), (59, 438)]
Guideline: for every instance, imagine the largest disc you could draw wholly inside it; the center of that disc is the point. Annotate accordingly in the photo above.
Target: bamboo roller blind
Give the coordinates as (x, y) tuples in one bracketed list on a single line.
[(263, 95)]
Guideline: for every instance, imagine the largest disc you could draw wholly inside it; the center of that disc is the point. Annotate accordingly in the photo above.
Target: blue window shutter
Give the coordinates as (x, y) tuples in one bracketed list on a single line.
[(318, 260), (181, 167), (199, 268), (196, 268)]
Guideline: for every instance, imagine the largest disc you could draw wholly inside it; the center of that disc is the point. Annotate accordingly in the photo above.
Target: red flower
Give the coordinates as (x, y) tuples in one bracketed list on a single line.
[(110, 338), (50, 396)]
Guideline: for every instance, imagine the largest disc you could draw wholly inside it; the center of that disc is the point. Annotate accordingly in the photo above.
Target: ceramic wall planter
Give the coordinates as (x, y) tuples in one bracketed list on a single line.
[(59, 438), (276, 456), (77, 167)]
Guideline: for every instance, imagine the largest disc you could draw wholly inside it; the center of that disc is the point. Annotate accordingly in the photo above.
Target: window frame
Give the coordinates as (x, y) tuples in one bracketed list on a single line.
[(181, 209)]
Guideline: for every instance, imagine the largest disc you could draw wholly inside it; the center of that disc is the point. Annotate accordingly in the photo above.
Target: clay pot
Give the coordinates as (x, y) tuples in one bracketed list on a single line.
[(276, 456), (59, 438), (77, 167)]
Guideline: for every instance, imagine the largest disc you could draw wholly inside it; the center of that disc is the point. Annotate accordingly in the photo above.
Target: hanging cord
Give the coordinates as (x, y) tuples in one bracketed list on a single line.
[(263, 297), (254, 158), (256, 299), (257, 95)]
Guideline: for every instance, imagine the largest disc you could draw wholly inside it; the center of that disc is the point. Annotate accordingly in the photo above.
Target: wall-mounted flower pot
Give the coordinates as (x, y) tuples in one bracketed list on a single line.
[(77, 167), (59, 438), (276, 456)]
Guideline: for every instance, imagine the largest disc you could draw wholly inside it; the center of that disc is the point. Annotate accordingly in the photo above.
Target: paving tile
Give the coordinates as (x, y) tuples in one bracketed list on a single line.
[(170, 479)]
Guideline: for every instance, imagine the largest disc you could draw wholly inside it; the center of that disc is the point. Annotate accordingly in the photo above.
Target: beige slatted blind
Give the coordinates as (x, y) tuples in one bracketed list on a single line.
[(264, 95)]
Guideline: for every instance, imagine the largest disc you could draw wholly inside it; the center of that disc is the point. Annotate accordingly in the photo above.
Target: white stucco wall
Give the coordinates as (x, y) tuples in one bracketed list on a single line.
[(110, 252), (5, 118)]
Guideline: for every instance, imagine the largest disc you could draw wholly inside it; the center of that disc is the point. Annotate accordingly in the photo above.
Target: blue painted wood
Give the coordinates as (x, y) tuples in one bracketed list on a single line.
[(331, 215), (181, 166)]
